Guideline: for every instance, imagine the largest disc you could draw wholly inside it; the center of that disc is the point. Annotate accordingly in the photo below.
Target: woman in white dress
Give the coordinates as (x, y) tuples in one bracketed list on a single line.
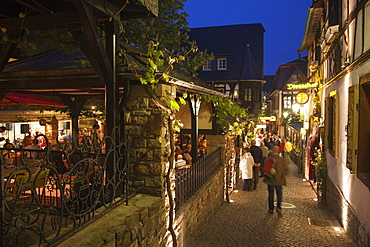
[(246, 166)]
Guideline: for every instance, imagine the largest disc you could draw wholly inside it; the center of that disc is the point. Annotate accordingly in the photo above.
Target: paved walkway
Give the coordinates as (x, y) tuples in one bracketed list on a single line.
[(246, 222)]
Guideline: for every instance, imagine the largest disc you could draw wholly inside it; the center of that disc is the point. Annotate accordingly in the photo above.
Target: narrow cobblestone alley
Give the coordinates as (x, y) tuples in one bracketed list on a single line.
[(246, 222)]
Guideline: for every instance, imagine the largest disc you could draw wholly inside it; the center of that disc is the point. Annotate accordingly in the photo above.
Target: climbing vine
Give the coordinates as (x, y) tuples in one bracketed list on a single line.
[(321, 164), (229, 116)]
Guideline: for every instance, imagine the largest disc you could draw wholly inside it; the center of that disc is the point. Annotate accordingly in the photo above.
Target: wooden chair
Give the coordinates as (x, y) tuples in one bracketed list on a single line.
[(20, 202), (24, 183)]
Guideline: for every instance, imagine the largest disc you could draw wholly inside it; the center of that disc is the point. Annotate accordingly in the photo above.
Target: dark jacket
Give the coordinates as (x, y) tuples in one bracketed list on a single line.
[(257, 154), (282, 171)]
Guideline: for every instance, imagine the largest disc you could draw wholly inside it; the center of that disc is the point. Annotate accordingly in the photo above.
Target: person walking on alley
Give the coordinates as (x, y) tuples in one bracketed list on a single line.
[(265, 153), (288, 147), (257, 157), (246, 166), (277, 183)]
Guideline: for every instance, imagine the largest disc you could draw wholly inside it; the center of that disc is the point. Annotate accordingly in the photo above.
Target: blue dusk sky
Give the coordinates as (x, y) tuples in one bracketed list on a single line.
[(283, 20)]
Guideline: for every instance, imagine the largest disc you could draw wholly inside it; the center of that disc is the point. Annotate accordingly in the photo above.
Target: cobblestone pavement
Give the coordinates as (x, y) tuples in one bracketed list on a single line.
[(245, 221)]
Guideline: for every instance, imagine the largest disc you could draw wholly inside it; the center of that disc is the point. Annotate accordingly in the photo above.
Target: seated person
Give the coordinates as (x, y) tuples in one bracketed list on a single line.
[(200, 154), (180, 163), (178, 151), (35, 145), (56, 158), (187, 157)]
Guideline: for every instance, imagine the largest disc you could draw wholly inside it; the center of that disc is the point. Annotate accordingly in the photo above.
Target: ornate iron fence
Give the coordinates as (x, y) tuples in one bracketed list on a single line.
[(60, 188), (189, 180)]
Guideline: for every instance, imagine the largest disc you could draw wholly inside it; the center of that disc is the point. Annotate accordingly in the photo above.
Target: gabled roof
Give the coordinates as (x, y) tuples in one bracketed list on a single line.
[(58, 73), (57, 59), (243, 45), (286, 71)]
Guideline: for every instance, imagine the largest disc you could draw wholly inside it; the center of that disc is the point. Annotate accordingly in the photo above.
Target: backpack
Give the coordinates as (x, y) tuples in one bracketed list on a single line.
[(269, 169)]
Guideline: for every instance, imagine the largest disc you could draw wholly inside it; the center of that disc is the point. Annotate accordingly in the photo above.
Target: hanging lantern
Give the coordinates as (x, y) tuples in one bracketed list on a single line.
[(42, 121)]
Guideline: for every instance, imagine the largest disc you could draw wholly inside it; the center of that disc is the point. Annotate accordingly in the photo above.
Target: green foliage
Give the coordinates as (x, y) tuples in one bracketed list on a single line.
[(321, 164), (169, 32), (228, 115), (33, 42)]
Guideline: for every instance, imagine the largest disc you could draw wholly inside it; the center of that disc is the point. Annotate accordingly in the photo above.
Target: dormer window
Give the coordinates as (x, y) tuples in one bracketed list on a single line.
[(222, 63), (207, 65)]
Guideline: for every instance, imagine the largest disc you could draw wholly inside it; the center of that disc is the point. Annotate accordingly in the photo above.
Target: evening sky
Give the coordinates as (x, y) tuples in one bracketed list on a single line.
[(283, 20)]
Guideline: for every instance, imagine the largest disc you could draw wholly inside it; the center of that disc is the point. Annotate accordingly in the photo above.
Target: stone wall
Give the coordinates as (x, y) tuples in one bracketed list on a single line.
[(199, 208), (144, 221), (341, 208), (141, 223), (147, 128)]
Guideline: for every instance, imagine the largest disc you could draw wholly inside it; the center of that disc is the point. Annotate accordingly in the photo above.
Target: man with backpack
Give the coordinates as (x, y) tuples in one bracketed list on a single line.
[(275, 179)]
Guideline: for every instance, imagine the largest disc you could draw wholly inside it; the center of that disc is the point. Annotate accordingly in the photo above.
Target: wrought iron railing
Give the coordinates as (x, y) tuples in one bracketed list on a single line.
[(189, 180), (59, 189)]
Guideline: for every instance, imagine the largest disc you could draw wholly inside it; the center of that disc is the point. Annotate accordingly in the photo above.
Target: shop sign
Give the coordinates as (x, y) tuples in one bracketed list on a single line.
[(301, 98), (295, 86), (271, 118)]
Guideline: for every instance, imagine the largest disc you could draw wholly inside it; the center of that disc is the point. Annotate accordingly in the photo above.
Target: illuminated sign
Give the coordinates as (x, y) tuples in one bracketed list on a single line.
[(301, 98), (272, 118), (294, 86), (333, 93)]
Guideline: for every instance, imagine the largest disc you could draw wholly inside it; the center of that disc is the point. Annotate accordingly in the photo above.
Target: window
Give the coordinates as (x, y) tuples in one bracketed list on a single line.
[(363, 153), (221, 64), (223, 88), (287, 102), (352, 128), (331, 122), (236, 92), (207, 65), (257, 94), (334, 11), (248, 94)]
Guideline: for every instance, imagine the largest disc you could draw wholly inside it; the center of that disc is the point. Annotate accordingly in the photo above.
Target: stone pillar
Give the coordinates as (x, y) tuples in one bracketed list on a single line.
[(147, 129)]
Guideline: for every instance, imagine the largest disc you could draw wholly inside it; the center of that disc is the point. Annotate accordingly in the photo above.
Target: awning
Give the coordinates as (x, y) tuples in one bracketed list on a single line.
[(28, 99), (296, 125)]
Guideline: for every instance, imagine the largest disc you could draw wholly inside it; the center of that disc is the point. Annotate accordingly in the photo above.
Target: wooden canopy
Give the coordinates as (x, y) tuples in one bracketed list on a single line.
[(84, 20)]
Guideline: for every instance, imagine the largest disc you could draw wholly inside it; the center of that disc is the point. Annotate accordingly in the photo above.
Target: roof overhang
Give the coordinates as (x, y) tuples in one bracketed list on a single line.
[(45, 14), (312, 24), (189, 87)]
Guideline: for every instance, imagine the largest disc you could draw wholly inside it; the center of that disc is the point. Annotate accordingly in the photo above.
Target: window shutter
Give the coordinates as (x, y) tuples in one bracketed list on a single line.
[(326, 122), (352, 128), (335, 125)]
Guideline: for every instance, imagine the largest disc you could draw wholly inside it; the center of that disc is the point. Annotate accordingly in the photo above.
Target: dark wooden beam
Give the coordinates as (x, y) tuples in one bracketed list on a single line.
[(127, 9), (33, 7), (105, 7), (95, 40), (43, 21), (83, 43), (112, 88), (75, 104), (5, 54)]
